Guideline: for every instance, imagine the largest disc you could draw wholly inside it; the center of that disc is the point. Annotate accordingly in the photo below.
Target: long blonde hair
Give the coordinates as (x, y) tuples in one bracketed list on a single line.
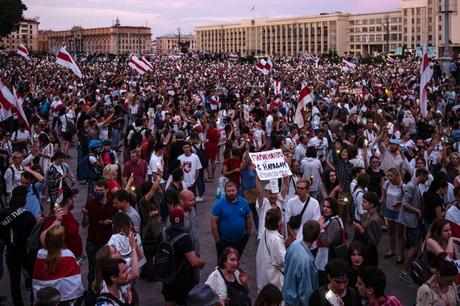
[(54, 243), (102, 256)]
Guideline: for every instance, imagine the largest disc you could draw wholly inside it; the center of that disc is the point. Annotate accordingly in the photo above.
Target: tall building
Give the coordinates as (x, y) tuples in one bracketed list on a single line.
[(116, 39), (166, 43), (416, 23), (26, 34)]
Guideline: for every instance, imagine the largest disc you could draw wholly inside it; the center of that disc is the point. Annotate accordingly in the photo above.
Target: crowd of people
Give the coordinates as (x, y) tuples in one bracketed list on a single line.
[(364, 162)]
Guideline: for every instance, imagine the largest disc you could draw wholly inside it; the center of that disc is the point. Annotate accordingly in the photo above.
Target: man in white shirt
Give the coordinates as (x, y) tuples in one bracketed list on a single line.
[(156, 163), (13, 173), (295, 206), (312, 170), (190, 163), (320, 143), (301, 149)]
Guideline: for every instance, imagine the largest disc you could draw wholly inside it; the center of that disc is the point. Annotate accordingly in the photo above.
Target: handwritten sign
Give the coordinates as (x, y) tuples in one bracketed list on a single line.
[(270, 164)]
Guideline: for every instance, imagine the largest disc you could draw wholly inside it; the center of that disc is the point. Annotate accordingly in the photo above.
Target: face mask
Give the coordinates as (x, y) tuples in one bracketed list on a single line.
[(98, 194)]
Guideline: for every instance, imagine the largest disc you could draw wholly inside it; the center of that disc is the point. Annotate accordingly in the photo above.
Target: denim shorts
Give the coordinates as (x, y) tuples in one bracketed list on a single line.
[(391, 215)]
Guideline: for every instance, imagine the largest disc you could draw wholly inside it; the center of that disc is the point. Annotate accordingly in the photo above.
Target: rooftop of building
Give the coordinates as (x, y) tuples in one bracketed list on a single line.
[(175, 36), (30, 20)]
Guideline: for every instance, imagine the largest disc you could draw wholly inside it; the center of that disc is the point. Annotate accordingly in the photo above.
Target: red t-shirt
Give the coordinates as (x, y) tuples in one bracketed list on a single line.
[(72, 232), (139, 170), (99, 233), (111, 184), (233, 163)]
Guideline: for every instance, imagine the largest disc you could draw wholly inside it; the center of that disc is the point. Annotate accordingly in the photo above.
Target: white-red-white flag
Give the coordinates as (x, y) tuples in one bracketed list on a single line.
[(22, 51), (264, 66), (7, 99), (425, 76), (346, 65), (305, 98), (20, 110), (147, 63), (137, 64), (60, 194), (277, 87), (63, 58)]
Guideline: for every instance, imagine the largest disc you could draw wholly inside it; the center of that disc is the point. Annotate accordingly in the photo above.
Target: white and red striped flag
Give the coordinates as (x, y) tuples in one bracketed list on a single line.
[(390, 59), (22, 51), (66, 278), (7, 99), (137, 64), (63, 58), (147, 63), (304, 99), (20, 110), (277, 87), (60, 194), (264, 66), (346, 65), (425, 76)]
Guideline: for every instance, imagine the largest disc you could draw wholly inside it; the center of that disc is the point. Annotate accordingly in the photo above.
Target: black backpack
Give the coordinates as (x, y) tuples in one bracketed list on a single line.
[(202, 156), (164, 267), (136, 139), (86, 170)]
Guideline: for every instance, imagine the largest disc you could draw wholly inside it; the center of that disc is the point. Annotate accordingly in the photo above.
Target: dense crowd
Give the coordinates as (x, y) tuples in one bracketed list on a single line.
[(363, 161)]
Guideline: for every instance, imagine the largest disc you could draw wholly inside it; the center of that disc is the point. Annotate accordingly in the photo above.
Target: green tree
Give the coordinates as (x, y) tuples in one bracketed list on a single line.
[(10, 15)]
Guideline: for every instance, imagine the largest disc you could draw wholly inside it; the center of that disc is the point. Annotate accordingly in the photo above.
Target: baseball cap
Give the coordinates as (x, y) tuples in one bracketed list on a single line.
[(176, 217)]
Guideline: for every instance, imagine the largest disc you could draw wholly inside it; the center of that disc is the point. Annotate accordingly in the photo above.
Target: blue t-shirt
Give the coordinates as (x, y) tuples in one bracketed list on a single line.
[(248, 178), (232, 218), (32, 201)]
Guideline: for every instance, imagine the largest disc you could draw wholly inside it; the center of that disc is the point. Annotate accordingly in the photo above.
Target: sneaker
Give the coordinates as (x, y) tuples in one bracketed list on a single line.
[(199, 199), (405, 276)]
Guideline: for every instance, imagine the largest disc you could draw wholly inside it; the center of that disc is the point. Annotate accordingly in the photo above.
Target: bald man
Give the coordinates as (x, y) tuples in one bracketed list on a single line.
[(187, 204)]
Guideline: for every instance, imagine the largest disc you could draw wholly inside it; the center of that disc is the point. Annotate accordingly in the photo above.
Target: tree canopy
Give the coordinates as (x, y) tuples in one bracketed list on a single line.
[(10, 15)]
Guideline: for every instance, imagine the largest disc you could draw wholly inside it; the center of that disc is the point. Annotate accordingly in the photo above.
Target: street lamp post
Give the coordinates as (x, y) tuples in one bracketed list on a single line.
[(386, 25), (445, 59)]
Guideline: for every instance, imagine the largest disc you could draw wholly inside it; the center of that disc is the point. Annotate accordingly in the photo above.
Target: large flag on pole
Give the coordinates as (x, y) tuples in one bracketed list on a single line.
[(346, 65), (264, 66), (20, 110), (147, 63), (277, 87), (138, 65), (63, 58), (7, 99), (425, 76), (22, 51), (304, 99)]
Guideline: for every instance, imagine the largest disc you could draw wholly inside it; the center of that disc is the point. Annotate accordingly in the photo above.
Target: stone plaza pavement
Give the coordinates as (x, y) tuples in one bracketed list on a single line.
[(150, 292)]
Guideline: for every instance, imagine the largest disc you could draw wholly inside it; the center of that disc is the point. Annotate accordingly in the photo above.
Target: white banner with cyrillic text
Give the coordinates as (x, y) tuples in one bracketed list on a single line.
[(270, 164)]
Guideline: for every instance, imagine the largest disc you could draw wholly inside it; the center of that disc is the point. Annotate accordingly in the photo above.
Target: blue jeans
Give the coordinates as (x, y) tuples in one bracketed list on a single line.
[(91, 250), (200, 183)]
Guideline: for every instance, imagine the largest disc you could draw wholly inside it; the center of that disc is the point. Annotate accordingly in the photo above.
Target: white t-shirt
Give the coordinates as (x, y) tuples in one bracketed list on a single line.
[(312, 212), (312, 169), (320, 145), (155, 161), (190, 164), (64, 118), (262, 212), (18, 135)]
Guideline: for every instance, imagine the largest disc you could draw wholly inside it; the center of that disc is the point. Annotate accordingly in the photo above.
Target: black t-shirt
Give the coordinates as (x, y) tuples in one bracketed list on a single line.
[(431, 201), (182, 247), (375, 180), (318, 297), (175, 151), (15, 228)]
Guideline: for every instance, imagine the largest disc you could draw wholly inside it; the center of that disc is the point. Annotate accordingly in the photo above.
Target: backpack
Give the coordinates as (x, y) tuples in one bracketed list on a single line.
[(136, 139), (85, 170), (202, 156), (420, 270), (108, 298), (164, 268), (33, 243), (353, 205)]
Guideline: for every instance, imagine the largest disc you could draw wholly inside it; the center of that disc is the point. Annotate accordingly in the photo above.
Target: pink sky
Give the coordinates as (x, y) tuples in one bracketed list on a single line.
[(165, 16)]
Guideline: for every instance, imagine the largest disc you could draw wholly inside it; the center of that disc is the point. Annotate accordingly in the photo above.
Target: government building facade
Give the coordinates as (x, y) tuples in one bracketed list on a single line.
[(415, 23)]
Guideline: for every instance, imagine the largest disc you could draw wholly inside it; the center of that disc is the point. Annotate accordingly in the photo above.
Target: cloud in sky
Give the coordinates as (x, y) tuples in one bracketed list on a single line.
[(165, 16)]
